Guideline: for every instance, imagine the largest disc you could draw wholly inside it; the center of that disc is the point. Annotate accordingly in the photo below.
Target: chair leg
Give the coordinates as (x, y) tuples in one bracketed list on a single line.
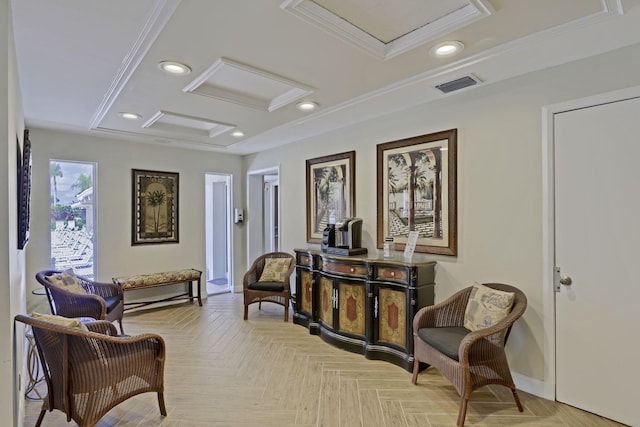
[(163, 409), (416, 368), (246, 311), (463, 411), (121, 328), (40, 418), (517, 399), (286, 311)]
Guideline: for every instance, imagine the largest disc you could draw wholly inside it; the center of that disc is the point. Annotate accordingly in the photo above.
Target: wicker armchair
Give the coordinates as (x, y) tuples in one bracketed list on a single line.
[(90, 372), (480, 358), (103, 301), (278, 292)]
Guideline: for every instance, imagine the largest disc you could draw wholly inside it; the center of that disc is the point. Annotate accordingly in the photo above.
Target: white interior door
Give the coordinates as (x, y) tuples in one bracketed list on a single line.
[(257, 243), (597, 223)]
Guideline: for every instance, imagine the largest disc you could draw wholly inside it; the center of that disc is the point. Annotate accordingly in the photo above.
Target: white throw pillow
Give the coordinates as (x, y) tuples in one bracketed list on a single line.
[(486, 307)]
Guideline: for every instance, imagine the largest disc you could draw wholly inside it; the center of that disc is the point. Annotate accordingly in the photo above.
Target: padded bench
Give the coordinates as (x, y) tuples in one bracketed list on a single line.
[(145, 281)]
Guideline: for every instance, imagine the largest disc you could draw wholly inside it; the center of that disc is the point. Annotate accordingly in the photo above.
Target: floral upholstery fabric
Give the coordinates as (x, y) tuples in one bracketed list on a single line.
[(486, 307), (68, 281), (275, 270), (154, 279)]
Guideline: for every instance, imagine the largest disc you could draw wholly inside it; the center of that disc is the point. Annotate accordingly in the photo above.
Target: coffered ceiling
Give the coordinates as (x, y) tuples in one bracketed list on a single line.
[(82, 63)]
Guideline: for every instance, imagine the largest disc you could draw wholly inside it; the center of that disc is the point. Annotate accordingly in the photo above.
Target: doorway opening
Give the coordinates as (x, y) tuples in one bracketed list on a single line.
[(219, 271), (263, 206)]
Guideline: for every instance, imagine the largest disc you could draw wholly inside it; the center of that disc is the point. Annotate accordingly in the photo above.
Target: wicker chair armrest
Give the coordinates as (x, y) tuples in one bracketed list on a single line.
[(287, 279), (118, 344), (128, 345), (494, 335), (102, 289), (102, 327), (250, 276), (71, 304)]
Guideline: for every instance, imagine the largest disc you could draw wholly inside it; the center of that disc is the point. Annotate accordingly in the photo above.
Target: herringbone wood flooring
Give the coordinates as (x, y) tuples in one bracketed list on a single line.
[(223, 371)]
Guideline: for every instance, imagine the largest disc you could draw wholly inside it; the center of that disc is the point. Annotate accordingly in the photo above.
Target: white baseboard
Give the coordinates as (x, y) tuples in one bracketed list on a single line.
[(533, 386)]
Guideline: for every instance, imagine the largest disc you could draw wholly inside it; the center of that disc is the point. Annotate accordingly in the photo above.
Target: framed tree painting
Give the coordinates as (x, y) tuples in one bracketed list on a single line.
[(330, 192), (154, 207), (417, 192)]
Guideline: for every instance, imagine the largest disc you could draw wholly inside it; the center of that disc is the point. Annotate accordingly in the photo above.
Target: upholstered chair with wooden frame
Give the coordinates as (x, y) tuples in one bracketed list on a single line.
[(89, 369), (268, 281), (101, 301), (469, 359)]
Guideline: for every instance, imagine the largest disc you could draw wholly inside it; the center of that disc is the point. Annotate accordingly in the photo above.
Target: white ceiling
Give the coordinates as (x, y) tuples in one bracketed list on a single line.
[(81, 62)]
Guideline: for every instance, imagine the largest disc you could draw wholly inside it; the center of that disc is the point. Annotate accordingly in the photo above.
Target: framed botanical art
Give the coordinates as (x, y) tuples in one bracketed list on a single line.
[(417, 192), (154, 207), (330, 192)]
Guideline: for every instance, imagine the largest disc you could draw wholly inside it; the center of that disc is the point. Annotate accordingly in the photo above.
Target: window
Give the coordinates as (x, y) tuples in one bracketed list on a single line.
[(72, 216)]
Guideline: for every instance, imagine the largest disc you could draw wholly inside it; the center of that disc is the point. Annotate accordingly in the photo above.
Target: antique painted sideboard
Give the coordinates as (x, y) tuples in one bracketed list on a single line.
[(363, 304)]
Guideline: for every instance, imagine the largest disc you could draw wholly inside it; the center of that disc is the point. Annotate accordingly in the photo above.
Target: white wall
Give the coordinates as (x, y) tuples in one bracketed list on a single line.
[(115, 159), (12, 289), (499, 181)]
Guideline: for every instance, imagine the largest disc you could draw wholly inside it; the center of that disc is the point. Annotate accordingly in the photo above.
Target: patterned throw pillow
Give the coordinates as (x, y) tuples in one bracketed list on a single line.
[(68, 281), (60, 320), (486, 307), (275, 270)]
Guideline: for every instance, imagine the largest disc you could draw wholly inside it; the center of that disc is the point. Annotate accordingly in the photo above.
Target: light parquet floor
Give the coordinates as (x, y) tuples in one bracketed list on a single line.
[(224, 371)]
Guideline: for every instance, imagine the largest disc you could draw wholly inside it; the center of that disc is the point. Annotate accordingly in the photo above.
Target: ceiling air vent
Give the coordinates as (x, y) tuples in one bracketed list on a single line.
[(458, 84)]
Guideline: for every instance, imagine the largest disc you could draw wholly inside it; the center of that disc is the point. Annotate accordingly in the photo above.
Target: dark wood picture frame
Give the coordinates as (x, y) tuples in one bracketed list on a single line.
[(24, 189), (330, 191), (417, 190), (154, 207)]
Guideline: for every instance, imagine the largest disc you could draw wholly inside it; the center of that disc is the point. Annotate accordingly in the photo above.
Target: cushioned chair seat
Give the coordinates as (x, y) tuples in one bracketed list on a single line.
[(267, 286), (111, 303), (445, 340)]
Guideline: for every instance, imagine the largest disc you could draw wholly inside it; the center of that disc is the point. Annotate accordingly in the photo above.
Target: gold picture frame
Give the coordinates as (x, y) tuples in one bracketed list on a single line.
[(417, 192), (330, 192), (154, 207)]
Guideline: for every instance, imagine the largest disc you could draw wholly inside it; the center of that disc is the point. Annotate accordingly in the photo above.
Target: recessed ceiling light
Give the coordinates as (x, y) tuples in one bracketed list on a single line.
[(237, 134), (175, 68), (307, 106), (445, 49), (130, 116)]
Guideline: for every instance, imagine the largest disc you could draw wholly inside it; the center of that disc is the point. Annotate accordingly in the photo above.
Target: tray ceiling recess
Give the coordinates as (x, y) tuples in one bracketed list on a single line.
[(182, 124), (389, 28), (231, 81)]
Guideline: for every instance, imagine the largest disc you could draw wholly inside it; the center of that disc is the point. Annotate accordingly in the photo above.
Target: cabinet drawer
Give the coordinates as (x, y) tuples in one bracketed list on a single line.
[(304, 259), (345, 268), (388, 272)]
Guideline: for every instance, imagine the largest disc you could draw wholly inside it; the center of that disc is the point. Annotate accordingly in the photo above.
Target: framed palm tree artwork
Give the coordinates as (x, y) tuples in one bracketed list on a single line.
[(154, 207), (330, 192), (417, 192)]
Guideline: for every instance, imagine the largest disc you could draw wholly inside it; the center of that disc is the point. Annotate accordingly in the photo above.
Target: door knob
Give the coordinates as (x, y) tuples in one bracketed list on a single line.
[(565, 280)]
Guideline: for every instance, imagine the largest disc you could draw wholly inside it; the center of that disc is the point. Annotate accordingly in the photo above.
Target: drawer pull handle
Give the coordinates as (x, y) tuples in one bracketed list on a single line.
[(352, 269), (393, 274)]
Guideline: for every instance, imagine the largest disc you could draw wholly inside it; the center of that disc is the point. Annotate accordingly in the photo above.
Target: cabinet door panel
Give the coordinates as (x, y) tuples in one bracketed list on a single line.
[(306, 291), (352, 301), (325, 301), (392, 316)]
